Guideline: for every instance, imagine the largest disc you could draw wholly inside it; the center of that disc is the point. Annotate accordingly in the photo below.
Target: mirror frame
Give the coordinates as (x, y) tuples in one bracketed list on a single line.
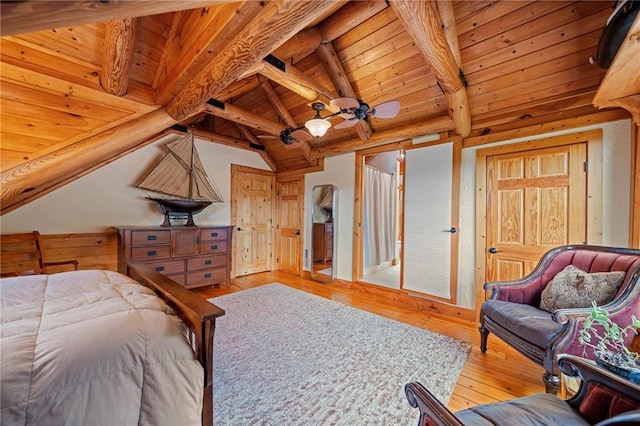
[(334, 202)]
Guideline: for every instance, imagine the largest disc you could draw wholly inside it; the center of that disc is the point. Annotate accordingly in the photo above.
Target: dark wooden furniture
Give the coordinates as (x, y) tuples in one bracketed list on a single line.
[(193, 257), (322, 242), (512, 311), (198, 314), (21, 254), (602, 395)]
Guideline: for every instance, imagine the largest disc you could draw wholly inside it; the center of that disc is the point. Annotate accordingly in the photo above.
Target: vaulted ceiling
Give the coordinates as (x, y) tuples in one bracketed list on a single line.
[(83, 83)]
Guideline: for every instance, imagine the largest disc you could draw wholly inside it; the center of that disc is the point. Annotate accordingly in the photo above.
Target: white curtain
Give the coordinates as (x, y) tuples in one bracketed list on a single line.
[(380, 217)]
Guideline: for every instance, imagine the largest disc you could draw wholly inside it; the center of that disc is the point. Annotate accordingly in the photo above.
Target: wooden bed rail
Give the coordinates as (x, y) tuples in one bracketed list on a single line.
[(198, 314)]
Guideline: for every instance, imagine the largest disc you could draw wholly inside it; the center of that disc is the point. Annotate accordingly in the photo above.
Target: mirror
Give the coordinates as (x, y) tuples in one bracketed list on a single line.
[(323, 243)]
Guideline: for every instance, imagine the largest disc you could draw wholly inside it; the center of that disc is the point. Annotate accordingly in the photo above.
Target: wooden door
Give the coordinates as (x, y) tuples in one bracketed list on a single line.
[(536, 200), (252, 210), (290, 217)]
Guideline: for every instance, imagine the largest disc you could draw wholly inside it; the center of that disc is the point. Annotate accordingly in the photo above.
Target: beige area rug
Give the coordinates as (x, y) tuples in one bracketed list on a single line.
[(287, 357)]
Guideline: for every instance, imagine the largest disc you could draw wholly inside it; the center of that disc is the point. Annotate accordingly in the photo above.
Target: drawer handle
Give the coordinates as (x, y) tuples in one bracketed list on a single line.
[(152, 253), (152, 237), (214, 234), (159, 268), (214, 247), (207, 262), (207, 275)]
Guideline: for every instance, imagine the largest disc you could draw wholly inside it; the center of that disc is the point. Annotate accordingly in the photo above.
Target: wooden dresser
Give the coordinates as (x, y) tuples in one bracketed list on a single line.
[(193, 257), (322, 242)]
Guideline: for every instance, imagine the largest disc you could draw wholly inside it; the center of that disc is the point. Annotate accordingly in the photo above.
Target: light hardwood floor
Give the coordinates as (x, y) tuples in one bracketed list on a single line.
[(497, 375)]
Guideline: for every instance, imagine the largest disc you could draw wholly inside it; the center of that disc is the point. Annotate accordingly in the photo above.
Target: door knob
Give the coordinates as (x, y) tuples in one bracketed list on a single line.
[(297, 232), (493, 250), (452, 230), (239, 229)]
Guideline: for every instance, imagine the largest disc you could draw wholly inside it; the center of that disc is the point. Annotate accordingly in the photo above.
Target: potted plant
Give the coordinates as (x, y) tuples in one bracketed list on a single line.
[(608, 343)]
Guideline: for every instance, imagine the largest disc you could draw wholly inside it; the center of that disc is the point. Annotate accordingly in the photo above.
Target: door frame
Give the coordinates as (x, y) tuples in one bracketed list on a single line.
[(592, 138), (234, 214), (299, 257)]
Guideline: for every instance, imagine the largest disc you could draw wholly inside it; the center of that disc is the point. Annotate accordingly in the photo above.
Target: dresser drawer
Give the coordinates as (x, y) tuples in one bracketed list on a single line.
[(151, 253), (150, 238), (213, 234), (179, 278), (168, 267), (212, 247), (206, 277), (206, 262)]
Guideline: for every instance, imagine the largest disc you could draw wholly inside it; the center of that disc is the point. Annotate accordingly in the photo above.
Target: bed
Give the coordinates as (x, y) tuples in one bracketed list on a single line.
[(96, 347)]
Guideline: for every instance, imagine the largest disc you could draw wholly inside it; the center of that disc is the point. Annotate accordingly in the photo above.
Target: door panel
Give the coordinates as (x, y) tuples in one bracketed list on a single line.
[(290, 206), (536, 200), (252, 213)]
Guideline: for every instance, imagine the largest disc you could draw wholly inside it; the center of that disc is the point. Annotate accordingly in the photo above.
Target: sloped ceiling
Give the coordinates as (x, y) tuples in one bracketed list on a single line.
[(84, 83)]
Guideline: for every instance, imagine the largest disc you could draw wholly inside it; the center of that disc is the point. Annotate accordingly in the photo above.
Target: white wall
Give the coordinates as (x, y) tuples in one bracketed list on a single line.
[(339, 171), (107, 197), (615, 203)]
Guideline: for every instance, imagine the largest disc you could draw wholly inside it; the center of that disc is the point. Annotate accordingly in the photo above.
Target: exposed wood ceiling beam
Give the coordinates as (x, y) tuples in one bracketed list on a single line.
[(246, 118), (274, 24), (195, 39), (18, 17), (423, 25), (436, 125), (29, 181), (350, 16), (284, 113), (248, 135), (338, 76), (299, 46), (298, 82), (119, 47)]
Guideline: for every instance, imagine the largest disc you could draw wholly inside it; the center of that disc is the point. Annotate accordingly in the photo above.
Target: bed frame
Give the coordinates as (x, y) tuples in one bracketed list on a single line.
[(198, 314)]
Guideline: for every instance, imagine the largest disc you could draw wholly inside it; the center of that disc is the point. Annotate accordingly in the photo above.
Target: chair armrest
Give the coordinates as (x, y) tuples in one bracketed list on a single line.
[(589, 372), (63, 262), (432, 411)]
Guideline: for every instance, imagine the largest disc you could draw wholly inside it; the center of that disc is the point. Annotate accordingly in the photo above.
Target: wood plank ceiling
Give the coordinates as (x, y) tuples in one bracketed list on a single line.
[(83, 83)]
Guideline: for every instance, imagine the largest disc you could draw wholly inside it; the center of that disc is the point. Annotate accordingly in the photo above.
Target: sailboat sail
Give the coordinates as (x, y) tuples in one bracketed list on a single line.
[(181, 175)]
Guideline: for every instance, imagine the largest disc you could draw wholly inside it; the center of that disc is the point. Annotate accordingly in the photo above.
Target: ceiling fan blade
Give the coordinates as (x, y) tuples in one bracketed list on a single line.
[(346, 115), (386, 110), (346, 124), (267, 137), (301, 135), (344, 103)]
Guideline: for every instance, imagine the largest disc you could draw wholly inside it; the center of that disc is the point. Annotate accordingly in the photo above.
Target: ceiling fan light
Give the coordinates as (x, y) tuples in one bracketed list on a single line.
[(317, 126)]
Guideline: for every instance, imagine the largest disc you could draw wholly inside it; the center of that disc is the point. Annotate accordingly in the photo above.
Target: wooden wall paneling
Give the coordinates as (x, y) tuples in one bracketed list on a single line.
[(91, 250)]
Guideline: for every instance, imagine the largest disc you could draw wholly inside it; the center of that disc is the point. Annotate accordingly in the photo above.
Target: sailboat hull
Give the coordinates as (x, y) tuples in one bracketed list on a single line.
[(181, 206)]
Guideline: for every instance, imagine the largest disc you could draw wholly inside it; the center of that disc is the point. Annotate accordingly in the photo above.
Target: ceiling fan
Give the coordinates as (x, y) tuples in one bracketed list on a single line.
[(351, 110)]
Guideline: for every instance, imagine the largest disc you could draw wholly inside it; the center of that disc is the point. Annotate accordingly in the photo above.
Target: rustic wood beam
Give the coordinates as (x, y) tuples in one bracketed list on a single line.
[(18, 17), (29, 181), (299, 46), (348, 17), (272, 26), (620, 86), (297, 82), (338, 75), (422, 22), (196, 37), (119, 47), (436, 125), (247, 118), (286, 116), (249, 136)]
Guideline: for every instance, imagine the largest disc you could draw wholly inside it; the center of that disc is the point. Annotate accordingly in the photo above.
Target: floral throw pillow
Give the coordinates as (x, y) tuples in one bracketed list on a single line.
[(574, 288)]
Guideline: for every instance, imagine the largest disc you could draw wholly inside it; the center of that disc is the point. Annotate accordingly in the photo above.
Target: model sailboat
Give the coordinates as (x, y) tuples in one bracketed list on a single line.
[(181, 179)]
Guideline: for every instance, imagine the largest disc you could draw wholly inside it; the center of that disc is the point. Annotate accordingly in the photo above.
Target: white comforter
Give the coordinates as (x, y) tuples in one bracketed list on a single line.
[(93, 348)]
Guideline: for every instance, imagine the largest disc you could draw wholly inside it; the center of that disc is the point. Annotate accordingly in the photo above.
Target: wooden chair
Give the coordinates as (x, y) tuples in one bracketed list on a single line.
[(603, 399), (21, 254)]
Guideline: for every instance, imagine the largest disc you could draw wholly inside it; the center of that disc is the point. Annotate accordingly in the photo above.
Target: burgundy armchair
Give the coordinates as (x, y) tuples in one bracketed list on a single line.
[(512, 312), (603, 399)]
